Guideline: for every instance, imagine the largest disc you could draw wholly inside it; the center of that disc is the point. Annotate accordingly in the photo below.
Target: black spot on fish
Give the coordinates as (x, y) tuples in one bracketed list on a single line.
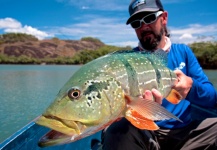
[(96, 87), (106, 88), (158, 74), (170, 74), (98, 96), (88, 104), (91, 88), (119, 84)]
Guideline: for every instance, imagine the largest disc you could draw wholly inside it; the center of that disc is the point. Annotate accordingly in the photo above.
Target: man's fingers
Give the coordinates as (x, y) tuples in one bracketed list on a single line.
[(153, 95), (157, 96), (148, 95), (178, 72)]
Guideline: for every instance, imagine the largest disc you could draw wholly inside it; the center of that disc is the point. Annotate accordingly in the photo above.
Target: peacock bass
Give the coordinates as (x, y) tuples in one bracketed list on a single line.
[(106, 89)]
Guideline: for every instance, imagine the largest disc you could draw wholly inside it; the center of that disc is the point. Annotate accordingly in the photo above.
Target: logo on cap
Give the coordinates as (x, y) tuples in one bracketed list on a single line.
[(137, 3)]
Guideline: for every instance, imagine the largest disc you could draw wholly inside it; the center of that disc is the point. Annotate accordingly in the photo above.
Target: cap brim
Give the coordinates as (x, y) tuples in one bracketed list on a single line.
[(142, 10)]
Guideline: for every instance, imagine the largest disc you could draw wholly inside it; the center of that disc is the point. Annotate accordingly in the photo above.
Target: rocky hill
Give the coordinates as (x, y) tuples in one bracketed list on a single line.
[(18, 48), (27, 45)]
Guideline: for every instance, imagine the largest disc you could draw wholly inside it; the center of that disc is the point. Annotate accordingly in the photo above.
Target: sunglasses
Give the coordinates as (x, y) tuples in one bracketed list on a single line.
[(147, 20)]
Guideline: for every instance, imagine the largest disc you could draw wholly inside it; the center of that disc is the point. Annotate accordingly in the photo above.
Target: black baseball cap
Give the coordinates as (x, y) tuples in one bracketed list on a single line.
[(137, 6)]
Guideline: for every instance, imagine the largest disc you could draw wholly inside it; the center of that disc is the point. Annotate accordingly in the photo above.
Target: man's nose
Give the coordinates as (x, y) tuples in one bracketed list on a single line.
[(144, 26)]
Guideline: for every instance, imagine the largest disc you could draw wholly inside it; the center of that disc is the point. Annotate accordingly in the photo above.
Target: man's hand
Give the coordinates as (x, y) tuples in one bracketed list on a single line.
[(154, 95), (184, 83), (183, 86)]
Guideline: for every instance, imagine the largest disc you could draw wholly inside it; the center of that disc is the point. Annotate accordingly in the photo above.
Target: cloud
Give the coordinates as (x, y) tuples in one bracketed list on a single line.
[(194, 33), (109, 5), (108, 30), (12, 25), (186, 36), (9, 23), (114, 31), (85, 7)]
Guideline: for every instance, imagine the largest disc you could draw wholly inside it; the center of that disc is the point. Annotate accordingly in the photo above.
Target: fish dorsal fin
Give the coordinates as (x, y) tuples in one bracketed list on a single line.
[(158, 56), (150, 110), (122, 51), (140, 121), (174, 97)]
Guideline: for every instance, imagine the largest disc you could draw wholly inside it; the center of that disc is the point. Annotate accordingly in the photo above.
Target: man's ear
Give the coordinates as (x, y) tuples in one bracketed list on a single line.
[(164, 17)]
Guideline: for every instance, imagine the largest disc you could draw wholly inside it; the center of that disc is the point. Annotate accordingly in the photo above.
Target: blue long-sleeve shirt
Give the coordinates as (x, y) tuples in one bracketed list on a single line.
[(202, 92)]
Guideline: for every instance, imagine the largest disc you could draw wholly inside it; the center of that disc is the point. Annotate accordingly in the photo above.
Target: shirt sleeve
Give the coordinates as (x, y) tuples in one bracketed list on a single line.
[(202, 92)]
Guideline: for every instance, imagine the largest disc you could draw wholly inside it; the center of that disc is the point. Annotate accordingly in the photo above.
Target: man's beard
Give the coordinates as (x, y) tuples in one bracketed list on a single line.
[(151, 44)]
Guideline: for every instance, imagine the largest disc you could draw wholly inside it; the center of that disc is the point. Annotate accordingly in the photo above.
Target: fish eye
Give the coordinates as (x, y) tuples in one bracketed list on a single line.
[(74, 93)]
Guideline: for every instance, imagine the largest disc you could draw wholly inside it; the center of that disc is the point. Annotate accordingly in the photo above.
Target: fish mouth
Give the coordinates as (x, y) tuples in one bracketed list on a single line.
[(63, 131), (53, 138)]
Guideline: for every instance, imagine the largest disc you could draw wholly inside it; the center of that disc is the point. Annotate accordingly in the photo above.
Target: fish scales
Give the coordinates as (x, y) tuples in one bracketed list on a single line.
[(142, 73), (144, 76), (99, 93), (128, 70)]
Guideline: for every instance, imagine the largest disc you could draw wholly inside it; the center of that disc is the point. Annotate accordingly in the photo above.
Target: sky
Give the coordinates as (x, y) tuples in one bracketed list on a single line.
[(188, 21)]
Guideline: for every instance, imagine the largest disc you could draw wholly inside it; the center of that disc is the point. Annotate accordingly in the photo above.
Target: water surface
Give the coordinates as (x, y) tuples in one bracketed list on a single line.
[(27, 90)]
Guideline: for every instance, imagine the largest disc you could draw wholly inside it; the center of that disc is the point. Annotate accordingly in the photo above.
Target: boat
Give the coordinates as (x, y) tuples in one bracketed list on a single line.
[(27, 137)]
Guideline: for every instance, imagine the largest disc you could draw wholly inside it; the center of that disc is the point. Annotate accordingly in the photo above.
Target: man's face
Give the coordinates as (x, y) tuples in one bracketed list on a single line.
[(150, 35)]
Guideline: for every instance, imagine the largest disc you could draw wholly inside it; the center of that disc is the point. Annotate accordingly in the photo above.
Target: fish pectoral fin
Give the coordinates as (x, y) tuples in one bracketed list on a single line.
[(150, 109), (139, 121), (174, 97)]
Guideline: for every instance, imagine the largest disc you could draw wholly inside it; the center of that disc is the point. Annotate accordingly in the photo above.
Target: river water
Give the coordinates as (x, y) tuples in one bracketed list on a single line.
[(27, 90)]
